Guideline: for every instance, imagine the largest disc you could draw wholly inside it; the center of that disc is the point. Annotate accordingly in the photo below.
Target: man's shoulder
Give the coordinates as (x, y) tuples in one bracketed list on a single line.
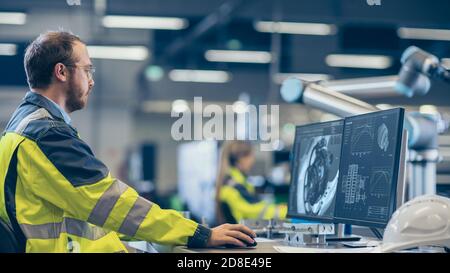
[(34, 122), (44, 128)]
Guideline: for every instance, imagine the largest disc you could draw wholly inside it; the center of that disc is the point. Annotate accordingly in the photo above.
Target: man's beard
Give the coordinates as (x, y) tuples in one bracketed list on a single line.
[(74, 100)]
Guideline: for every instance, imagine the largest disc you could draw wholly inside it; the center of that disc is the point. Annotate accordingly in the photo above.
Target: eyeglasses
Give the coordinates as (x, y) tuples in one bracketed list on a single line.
[(89, 69)]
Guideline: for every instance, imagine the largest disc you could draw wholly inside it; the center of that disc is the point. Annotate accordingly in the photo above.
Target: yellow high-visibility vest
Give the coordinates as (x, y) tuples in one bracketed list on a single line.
[(238, 198)]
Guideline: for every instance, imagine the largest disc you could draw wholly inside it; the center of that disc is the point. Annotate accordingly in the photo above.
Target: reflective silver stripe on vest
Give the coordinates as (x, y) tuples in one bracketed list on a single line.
[(69, 225), (106, 203), (44, 231), (135, 217), (38, 114), (82, 229)]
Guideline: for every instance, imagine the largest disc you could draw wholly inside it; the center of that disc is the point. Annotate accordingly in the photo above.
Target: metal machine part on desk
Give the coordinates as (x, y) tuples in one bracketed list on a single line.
[(311, 229), (283, 226), (289, 230), (306, 234), (266, 228)]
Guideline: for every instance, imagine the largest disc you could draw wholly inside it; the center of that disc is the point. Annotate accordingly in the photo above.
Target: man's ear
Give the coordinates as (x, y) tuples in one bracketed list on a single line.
[(60, 72)]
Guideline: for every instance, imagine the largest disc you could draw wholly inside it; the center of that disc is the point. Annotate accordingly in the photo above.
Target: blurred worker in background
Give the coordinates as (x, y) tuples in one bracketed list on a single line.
[(54, 193), (235, 196)]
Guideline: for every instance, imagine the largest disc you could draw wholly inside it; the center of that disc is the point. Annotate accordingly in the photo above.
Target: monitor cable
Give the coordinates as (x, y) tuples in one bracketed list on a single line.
[(377, 233)]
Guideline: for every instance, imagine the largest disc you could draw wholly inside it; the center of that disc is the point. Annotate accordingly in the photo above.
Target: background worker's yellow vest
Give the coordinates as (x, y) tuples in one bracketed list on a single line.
[(238, 200)]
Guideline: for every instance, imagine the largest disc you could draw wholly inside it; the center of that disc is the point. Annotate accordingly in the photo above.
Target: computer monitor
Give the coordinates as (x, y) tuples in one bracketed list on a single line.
[(315, 171), (370, 162)]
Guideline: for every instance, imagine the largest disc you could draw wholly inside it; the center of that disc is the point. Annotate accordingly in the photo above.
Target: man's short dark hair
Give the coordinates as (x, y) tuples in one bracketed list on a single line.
[(44, 53)]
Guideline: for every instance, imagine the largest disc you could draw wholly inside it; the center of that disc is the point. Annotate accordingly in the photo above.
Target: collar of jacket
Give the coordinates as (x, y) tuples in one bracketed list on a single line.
[(240, 178), (39, 100)]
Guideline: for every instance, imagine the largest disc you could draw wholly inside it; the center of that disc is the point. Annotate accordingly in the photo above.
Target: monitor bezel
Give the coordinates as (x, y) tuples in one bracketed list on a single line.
[(297, 216)]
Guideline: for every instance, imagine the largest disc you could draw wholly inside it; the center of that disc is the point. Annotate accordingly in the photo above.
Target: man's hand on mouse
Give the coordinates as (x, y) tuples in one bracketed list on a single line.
[(227, 234)]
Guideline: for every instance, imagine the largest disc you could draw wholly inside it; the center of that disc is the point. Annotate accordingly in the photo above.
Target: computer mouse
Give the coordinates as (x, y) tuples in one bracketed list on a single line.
[(254, 244)]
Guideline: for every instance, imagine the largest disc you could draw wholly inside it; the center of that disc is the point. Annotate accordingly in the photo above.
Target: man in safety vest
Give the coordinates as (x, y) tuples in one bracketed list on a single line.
[(54, 193)]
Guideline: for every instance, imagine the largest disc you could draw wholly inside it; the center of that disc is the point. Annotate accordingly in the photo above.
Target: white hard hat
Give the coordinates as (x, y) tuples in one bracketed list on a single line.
[(423, 221)]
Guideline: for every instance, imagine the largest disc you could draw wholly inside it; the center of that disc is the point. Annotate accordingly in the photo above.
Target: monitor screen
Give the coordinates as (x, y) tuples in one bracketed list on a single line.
[(315, 171), (369, 168)]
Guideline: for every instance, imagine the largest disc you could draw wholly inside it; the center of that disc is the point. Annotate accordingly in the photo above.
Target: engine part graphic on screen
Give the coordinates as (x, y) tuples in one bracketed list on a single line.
[(321, 175), (316, 164)]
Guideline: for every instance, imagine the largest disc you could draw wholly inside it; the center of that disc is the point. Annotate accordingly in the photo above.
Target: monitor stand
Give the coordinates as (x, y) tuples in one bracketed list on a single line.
[(341, 236)]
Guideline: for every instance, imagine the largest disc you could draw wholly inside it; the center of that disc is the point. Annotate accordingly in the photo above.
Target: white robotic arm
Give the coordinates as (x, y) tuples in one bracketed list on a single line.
[(414, 78)]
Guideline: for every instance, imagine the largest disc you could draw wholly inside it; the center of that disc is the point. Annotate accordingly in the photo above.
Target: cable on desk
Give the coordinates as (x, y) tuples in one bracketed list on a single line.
[(377, 233)]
